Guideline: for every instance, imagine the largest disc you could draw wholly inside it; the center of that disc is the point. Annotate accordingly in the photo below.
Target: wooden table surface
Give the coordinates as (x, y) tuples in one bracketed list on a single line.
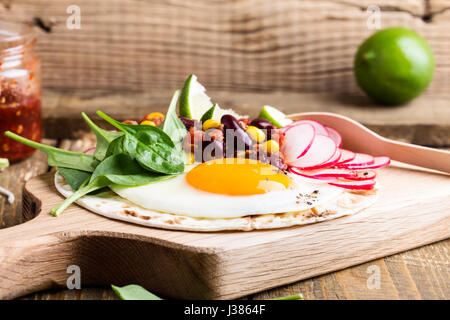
[(422, 273)]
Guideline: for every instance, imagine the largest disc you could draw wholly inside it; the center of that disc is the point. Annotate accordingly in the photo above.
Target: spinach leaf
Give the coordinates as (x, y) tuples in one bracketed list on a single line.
[(104, 138), (134, 292), (118, 169), (152, 148), (172, 124), (59, 157), (116, 147), (74, 177)]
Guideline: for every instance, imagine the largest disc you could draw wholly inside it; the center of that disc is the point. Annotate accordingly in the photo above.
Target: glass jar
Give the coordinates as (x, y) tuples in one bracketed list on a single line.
[(20, 89)]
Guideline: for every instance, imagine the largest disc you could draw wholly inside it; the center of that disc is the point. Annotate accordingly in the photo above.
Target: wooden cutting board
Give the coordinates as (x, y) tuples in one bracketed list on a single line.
[(413, 210)]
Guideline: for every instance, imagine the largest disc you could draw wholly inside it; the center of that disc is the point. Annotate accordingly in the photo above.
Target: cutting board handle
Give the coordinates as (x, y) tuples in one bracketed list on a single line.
[(31, 259)]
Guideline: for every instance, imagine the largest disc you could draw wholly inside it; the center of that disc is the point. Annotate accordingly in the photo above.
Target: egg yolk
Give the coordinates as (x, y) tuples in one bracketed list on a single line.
[(237, 177)]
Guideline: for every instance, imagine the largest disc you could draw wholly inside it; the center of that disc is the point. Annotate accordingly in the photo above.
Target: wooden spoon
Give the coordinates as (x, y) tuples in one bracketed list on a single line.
[(358, 138)]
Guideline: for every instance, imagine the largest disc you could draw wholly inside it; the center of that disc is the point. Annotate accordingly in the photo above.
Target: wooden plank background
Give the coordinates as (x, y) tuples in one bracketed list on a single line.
[(251, 45), (130, 55)]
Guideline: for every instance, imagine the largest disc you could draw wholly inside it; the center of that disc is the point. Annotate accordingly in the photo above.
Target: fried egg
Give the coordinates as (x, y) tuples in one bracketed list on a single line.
[(230, 188)]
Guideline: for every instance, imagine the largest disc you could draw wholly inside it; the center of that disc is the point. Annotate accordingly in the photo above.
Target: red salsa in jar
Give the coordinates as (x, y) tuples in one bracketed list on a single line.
[(20, 90)]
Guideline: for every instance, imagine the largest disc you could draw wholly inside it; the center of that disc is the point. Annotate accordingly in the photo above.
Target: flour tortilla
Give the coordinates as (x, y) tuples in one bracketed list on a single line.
[(112, 206)]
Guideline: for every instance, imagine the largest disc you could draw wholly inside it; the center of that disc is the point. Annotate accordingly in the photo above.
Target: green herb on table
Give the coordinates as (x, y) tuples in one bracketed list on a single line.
[(59, 157), (297, 296), (134, 292), (4, 163)]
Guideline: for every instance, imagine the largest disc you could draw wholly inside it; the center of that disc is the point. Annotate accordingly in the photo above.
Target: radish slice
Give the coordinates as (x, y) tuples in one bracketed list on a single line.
[(321, 151), (346, 156), (331, 162), (324, 173), (360, 160), (362, 175), (354, 185), (377, 163), (298, 141), (305, 175), (90, 150), (320, 129), (333, 134)]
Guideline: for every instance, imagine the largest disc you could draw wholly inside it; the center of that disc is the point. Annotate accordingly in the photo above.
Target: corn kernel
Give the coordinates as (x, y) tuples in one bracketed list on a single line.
[(148, 123), (154, 115), (210, 123), (190, 158), (256, 134), (270, 146)]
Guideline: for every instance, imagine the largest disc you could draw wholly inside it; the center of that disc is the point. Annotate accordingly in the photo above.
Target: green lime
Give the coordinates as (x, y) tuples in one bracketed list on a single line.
[(274, 116), (196, 104), (394, 65)]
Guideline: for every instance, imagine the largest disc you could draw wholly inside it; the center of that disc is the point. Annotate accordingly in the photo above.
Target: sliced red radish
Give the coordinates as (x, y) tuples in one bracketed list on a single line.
[(330, 163), (377, 163), (305, 175), (321, 151), (324, 173), (298, 141), (320, 129), (360, 159), (346, 156), (354, 185), (362, 175), (90, 150), (333, 134)]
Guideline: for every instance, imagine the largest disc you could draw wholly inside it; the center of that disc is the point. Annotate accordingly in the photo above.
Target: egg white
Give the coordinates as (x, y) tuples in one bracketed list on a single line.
[(176, 196)]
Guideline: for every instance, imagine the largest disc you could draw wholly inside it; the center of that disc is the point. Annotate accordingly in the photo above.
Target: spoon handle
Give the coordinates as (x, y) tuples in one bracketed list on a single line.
[(416, 155)]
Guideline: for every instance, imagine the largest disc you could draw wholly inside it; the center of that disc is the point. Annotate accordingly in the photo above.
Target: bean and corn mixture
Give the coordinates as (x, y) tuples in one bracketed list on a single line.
[(257, 139)]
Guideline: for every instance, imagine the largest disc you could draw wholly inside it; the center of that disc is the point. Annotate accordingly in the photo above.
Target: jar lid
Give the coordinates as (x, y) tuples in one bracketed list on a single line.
[(14, 35)]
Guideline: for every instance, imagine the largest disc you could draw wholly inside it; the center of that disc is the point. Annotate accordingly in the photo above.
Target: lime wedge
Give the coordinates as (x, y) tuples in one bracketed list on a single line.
[(274, 116), (195, 103)]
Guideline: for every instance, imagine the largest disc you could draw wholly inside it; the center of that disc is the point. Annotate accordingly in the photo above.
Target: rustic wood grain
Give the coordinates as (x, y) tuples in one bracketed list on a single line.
[(252, 45)]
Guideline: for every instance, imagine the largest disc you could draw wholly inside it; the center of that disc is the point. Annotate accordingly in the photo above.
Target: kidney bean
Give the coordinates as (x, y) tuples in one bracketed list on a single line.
[(264, 125), (261, 124), (189, 123), (238, 139)]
